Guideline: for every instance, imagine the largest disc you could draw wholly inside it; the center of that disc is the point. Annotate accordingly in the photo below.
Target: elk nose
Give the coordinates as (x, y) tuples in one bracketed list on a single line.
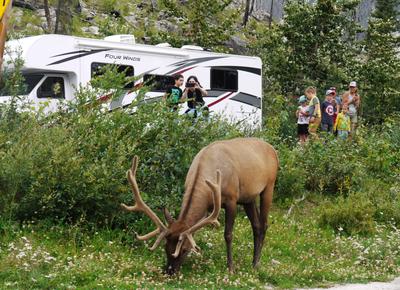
[(170, 270)]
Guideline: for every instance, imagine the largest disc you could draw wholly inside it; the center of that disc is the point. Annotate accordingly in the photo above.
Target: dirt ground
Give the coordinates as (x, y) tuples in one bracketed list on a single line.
[(393, 285)]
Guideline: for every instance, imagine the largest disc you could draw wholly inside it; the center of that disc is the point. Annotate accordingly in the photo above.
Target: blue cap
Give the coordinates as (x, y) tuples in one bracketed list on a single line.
[(302, 99)]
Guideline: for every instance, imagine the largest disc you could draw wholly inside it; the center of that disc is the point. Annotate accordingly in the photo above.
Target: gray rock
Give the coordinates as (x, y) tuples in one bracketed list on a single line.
[(32, 27), (94, 30), (42, 13), (17, 13), (91, 29), (166, 26), (237, 44), (131, 19)]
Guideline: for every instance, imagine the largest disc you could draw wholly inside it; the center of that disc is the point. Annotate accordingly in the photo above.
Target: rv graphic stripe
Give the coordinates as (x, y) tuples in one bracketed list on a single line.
[(248, 100), (252, 70), (244, 98), (72, 52), (84, 53), (219, 100), (184, 70), (190, 62), (214, 93)]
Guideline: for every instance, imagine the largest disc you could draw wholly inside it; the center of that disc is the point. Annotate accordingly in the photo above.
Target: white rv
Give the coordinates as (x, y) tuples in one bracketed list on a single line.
[(233, 82)]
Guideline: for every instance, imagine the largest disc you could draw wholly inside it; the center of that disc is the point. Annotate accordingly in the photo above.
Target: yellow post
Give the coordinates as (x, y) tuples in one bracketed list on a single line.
[(5, 8)]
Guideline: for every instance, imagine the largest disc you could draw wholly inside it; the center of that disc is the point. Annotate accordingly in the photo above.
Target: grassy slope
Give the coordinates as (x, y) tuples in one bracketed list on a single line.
[(297, 253)]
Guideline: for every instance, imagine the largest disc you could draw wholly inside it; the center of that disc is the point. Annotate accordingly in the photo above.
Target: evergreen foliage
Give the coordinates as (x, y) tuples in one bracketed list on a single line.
[(205, 23), (381, 66), (313, 46)]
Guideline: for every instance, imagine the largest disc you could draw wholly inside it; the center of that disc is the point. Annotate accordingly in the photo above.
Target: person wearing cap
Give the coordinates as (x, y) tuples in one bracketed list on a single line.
[(336, 96), (303, 119), (336, 99), (314, 109), (352, 100), (328, 111)]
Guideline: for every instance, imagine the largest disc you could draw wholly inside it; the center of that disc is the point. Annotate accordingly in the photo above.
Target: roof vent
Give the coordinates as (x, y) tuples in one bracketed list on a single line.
[(192, 47), (122, 38), (164, 44)]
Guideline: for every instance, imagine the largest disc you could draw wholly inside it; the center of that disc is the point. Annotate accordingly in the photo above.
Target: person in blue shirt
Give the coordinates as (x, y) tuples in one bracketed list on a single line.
[(328, 111)]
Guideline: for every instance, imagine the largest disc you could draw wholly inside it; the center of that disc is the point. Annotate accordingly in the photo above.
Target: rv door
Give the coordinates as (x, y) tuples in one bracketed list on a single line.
[(50, 92)]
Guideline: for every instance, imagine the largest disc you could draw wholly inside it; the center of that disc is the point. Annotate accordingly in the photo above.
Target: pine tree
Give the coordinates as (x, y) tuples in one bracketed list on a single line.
[(313, 46), (381, 70)]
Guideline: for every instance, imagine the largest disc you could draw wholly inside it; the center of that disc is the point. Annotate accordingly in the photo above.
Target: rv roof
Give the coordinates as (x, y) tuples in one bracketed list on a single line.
[(99, 43), (27, 42)]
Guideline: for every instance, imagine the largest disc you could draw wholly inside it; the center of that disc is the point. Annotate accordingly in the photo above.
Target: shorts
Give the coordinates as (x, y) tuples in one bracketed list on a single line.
[(327, 127), (302, 129)]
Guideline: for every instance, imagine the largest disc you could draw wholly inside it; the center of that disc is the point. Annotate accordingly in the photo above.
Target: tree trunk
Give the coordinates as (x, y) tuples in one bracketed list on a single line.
[(3, 34), (47, 14), (58, 12), (248, 10), (64, 14), (271, 11)]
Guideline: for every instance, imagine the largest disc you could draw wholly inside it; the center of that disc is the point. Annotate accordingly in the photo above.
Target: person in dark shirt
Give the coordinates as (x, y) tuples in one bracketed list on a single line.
[(194, 94), (174, 94), (328, 111)]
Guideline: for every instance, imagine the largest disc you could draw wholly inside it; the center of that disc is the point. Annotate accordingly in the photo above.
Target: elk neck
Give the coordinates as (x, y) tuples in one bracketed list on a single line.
[(196, 203)]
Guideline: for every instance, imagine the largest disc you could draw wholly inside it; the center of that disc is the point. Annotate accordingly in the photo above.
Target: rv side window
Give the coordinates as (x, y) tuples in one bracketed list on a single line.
[(224, 79), (52, 87), (158, 83), (30, 82), (97, 69)]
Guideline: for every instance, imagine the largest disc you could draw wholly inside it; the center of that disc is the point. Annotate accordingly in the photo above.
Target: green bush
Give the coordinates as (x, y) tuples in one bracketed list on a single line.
[(332, 166), (385, 198), (292, 175), (352, 215), (72, 164)]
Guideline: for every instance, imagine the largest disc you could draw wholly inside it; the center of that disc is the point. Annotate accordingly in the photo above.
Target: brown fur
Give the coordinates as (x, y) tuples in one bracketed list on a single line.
[(248, 169)]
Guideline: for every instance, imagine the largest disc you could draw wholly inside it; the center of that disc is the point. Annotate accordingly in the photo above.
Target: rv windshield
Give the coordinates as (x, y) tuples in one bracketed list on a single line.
[(29, 81)]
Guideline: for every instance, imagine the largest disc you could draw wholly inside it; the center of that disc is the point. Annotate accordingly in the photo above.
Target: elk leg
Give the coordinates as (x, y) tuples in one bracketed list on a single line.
[(265, 205), (230, 213), (254, 217)]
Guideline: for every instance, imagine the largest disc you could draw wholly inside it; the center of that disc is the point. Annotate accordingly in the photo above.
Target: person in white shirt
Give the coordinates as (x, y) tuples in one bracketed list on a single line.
[(352, 100), (303, 119)]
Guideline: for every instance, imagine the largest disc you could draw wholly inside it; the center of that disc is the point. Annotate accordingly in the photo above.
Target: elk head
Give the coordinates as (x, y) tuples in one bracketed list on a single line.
[(178, 235)]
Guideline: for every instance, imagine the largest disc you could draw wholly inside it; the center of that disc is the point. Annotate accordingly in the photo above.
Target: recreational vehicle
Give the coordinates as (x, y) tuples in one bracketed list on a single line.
[(233, 82)]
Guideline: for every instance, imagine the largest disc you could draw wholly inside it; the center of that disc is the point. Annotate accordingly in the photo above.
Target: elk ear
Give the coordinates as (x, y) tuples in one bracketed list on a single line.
[(168, 216)]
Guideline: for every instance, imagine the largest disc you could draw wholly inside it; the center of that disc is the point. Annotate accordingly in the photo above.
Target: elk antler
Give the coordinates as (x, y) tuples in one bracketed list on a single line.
[(141, 206), (211, 219)]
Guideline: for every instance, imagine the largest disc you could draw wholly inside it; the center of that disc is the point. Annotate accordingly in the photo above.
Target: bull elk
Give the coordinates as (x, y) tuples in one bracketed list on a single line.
[(222, 174)]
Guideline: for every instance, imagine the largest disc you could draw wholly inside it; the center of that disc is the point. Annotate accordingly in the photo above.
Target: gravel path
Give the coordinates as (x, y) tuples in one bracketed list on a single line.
[(393, 285)]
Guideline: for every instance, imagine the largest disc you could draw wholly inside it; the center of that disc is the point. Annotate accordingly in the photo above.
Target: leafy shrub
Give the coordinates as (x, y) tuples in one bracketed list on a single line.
[(72, 164), (352, 215), (292, 175), (333, 166), (385, 198)]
